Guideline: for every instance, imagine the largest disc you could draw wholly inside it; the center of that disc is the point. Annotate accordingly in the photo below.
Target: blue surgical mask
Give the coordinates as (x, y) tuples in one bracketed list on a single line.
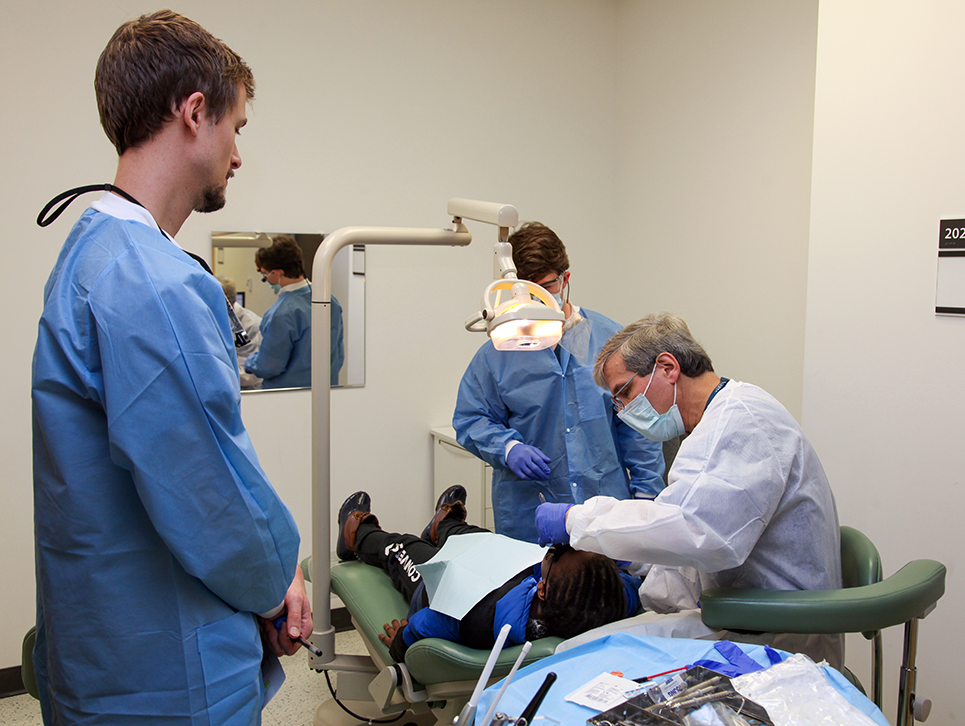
[(276, 288), (640, 415), (558, 296)]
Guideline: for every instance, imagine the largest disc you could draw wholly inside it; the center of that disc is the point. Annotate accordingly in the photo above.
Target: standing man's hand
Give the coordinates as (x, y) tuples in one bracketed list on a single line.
[(298, 614), (528, 462)]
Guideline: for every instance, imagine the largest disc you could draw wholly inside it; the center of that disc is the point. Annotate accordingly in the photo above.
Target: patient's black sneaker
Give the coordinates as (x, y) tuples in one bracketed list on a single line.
[(454, 494), (358, 502)]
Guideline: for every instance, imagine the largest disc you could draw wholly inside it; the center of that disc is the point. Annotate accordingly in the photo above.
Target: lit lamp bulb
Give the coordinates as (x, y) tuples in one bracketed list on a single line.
[(522, 323)]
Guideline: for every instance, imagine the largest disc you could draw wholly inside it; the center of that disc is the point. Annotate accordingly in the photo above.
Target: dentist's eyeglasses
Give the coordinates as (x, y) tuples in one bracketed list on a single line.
[(619, 405)]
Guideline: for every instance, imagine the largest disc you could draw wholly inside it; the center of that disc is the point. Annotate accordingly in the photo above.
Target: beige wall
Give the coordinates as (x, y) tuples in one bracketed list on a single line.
[(716, 105), (883, 397)]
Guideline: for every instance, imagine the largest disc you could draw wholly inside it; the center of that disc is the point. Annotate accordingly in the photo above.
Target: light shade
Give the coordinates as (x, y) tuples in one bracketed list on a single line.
[(526, 334), (519, 323)]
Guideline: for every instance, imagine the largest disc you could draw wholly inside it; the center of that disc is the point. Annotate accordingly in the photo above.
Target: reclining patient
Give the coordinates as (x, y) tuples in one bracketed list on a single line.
[(566, 594)]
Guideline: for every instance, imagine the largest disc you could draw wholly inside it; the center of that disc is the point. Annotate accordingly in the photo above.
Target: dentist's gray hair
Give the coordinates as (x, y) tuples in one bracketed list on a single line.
[(641, 342)]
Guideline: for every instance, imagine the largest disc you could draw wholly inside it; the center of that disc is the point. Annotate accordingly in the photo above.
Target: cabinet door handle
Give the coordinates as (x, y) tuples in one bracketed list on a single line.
[(455, 448)]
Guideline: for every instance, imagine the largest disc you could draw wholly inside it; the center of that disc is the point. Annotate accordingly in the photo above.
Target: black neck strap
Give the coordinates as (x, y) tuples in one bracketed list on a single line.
[(723, 382), (46, 217)]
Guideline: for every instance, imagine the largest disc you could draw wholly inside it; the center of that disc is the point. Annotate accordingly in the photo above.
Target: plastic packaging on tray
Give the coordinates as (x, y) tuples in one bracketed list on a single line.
[(694, 697)]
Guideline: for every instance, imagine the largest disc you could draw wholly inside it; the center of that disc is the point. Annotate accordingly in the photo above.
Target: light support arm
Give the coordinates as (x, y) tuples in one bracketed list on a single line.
[(504, 216), (323, 636), (513, 323), (503, 265)]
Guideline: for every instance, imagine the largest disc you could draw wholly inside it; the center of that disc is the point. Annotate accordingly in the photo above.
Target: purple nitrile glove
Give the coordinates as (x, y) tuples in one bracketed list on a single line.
[(528, 462), (551, 523)]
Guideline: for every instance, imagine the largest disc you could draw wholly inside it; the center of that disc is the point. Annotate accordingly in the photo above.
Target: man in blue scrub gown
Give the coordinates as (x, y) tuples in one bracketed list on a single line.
[(539, 418), (158, 536)]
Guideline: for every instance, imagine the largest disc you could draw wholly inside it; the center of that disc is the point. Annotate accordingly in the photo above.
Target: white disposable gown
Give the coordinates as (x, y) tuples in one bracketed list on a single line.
[(747, 505), (158, 534), (548, 399), (252, 325)]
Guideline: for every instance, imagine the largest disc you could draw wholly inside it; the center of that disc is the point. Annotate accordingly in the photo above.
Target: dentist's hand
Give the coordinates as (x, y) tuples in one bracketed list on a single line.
[(528, 462), (551, 523)]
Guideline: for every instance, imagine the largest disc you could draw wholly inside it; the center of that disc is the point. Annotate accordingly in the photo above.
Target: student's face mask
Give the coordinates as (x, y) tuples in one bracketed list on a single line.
[(641, 416), (276, 288)]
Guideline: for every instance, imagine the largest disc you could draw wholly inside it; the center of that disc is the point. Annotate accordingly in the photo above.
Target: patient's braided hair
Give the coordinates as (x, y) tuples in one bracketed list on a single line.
[(592, 597)]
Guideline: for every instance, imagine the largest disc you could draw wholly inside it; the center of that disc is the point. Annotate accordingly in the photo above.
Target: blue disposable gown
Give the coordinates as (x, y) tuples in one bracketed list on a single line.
[(337, 341), (284, 359), (158, 534), (554, 404)]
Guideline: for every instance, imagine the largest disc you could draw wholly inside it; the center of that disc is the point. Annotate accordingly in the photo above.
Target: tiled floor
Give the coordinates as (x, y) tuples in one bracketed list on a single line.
[(295, 704)]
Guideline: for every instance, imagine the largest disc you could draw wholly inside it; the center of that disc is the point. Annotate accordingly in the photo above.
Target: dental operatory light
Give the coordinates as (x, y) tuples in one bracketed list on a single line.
[(516, 314)]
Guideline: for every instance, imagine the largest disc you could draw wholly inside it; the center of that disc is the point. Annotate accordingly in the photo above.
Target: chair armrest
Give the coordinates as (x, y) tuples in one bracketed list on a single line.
[(27, 663), (440, 661), (907, 594)]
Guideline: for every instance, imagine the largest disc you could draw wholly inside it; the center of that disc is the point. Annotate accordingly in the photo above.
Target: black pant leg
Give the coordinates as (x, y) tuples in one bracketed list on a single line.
[(397, 554)]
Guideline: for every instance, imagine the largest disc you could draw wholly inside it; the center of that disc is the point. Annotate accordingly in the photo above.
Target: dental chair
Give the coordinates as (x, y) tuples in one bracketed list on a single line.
[(437, 675), (867, 604), (27, 663)]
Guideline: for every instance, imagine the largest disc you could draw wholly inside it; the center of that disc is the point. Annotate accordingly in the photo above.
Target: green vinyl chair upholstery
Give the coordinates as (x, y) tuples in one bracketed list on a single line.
[(866, 604)]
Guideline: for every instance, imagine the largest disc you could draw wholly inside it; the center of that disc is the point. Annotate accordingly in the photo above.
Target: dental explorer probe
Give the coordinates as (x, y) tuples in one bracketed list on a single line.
[(279, 622)]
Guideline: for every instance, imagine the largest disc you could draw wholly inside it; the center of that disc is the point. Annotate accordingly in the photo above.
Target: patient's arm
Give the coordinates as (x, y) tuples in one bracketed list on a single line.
[(426, 623), (391, 631)]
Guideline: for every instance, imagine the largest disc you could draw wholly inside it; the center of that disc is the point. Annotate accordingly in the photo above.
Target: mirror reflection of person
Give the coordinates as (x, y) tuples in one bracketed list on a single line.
[(284, 359), (539, 419), (251, 322), (158, 535)]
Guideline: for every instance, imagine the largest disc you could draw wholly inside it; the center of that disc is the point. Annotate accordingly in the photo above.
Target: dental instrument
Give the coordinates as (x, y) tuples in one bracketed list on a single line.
[(468, 713), (530, 711), (279, 622), (492, 709)]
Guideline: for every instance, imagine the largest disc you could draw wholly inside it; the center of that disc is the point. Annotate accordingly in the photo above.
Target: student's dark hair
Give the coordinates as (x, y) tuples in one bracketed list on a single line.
[(152, 64), (537, 252), (284, 254), (591, 597)]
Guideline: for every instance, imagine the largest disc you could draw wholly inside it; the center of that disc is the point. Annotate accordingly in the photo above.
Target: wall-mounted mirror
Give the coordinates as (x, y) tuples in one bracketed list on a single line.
[(233, 257)]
